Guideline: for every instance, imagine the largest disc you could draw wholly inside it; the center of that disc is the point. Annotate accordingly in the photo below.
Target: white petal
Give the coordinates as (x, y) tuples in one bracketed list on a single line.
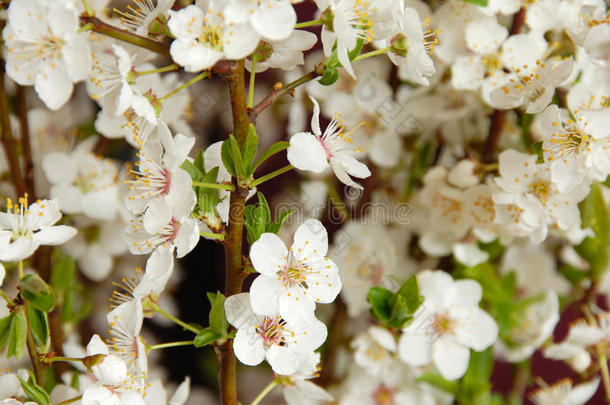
[(182, 392), (352, 166), (475, 329), (274, 20), (282, 360), (248, 347), (264, 294), (53, 86), (414, 349), (239, 312), (240, 41), (54, 235), (186, 22), (450, 358), (59, 168), (307, 153), (296, 307), (310, 239), (268, 254)]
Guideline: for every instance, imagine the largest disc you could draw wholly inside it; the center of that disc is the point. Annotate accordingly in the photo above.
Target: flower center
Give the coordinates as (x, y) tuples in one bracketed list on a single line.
[(272, 331), (211, 35), (384, 395), (442, 324), (491, 63), (541, 189)]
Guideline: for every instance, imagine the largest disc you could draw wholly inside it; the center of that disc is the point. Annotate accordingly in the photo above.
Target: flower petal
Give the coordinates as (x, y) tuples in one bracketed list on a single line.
[(268, 254)]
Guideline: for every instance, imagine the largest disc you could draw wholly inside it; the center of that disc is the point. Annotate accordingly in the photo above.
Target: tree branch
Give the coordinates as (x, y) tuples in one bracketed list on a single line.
[(278, 91), (234, 240)]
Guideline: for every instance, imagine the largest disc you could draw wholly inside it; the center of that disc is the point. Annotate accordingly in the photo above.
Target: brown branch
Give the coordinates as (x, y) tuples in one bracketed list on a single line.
[(279, 90), (8, 142), (335, 340), (101, 27), (234, 242)]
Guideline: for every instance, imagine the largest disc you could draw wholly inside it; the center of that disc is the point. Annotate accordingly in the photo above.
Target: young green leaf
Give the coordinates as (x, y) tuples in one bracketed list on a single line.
[(277, 224), (226, 154), (39, 325), (272, 150), (480, 3), (204, 338), (381, 303), (218, 320), (193, 171), (330, 76), (199, 161), (439, 382), (250, 150), (34, 391), (238, 160), (38, 293), (5, 329), (18, 333)]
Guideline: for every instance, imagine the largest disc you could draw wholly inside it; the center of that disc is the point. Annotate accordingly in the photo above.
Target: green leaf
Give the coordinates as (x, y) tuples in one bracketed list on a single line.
[(405, 303), (199, 162), (238, 160), (353, 54), (481, 3), (34, 391), (476, 388), (330, 76), (277, 224), (37, 292), (272, 150), (39, 325), (5, 328), (208, 198), (595, 215), (494, 249), (250, 150), (204, 338), (381, 303), (193, 171), (218, 319), (226, 154), (526, 123), (18, 333), (439, 382), (63, 272), (422, 159)]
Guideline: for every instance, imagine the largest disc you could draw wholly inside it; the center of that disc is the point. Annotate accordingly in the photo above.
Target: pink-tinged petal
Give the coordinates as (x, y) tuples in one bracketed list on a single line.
[(450, 358), (54, 235), (268, 254), (282, 360), (248, 346), (239, 312), (264, 294), (414, 348), (307, 153), (310, 239), (274, 20)]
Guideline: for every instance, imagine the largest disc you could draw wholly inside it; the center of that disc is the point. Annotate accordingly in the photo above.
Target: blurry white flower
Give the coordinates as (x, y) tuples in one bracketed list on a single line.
[(447, 326), (297, 389), (564, 393), (45, 49), (83, 182), (283, 54)]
